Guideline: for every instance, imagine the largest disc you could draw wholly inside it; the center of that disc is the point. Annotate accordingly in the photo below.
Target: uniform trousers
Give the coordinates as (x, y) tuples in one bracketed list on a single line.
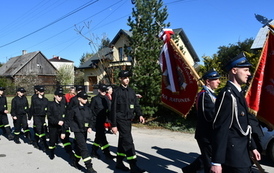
[(229, 169), (39, 122), (4, 123), (125, 142), (81, 148), (20, 122), (206, 154), (100, 136), (54, 135)]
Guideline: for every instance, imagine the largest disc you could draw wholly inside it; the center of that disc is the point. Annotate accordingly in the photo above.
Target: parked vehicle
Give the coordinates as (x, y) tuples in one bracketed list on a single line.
[(267, 142)]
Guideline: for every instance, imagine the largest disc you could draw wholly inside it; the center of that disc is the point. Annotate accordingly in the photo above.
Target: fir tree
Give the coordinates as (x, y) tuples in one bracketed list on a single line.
[(146, 22)]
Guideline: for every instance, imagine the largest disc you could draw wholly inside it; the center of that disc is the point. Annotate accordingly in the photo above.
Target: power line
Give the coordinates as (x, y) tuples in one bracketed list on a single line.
[(63, 17), (85, 20)]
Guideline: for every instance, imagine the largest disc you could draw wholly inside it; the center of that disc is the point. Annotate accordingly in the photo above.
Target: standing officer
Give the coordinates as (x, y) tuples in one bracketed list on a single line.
[(80, 122), (205, 105), (100, 104), (4, 122), (57, 125), (232, 142), (19, 112), (124, 105), (38, 110)]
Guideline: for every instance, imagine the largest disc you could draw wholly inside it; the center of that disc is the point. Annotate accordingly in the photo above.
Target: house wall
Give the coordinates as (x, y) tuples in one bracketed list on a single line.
[(37, 66), (122, 41), (95, 75)]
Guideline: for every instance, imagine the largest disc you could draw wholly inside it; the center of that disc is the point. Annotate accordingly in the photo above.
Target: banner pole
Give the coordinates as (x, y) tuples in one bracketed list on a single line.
[(196, 75)]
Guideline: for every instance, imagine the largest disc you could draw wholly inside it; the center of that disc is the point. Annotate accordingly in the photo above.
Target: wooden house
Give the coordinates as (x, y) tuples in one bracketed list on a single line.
[(29, 69)]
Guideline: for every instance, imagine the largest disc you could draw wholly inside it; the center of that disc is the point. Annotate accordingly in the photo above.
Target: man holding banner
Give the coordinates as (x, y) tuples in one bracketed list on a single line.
[(232, 143)]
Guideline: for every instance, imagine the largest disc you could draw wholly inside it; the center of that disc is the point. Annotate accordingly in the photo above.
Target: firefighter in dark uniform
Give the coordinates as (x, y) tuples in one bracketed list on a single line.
[(74, 100), (124, 105), (205, 105), (57, 125), (100, 104), (19, 113), (80, 122), (38, 110), (4, 122), (232, 143)]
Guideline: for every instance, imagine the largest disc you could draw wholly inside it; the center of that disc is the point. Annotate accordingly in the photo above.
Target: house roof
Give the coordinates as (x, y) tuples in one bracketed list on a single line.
[(17, 63), (118, 35), (93, 61), (259, 41), (179, 31), (187, 43), (59, 59)]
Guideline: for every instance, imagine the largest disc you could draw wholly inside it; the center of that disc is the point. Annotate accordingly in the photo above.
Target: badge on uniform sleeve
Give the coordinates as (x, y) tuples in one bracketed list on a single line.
[(131, 106), (242, 113)]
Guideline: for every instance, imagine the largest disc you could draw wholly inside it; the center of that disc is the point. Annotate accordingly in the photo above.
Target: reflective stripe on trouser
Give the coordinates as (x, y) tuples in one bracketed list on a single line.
[(101, 147), (127, 157), (52, 147), (40, 135)]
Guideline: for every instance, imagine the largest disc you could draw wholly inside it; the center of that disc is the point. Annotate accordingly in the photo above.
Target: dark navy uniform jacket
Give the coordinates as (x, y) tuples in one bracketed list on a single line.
[(231, 129), (19, 106), (57, 112), (100, 104), (205, 105), (124, 104), (38, 106), (3, 104), (80, 118)]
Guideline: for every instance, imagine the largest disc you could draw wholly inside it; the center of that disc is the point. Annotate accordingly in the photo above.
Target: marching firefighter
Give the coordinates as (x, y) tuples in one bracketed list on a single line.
[(38, 110), (19, 113), (4, 122), (124, 105), (80, 122), (57, 129), (100, 104)]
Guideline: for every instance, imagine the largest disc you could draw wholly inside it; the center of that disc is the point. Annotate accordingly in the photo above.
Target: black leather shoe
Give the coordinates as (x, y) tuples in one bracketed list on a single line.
[(122, 167)]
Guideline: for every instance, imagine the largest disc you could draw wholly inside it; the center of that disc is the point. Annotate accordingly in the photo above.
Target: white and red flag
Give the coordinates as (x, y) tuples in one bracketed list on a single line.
[(260, 96), (179, 84)]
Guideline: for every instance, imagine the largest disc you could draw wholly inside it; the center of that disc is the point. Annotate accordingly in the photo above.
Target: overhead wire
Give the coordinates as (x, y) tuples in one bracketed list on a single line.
[(61, 18), (101, 11), (28, 18)]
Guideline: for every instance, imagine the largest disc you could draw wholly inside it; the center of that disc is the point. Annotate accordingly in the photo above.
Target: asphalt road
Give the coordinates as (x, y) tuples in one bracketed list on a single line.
[(158, 151)]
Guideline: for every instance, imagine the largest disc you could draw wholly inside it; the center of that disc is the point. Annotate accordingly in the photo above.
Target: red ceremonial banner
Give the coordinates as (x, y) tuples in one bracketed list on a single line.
[(260, 96), (179, 86)]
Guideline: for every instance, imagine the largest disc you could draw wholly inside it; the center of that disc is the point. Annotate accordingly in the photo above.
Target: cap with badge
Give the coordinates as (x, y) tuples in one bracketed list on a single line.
[(83, 95), (58, 92), (103, 87), (2, 88), (212, 74), (21, 89), (239, 61), (124, 73), (80, 87), (40, 89)]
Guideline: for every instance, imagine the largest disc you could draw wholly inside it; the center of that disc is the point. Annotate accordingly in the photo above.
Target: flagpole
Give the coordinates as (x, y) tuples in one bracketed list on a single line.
[(196, 75)]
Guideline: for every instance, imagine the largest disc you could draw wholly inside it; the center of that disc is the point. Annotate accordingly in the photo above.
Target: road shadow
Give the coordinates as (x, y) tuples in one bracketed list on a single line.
[(169, 157)]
